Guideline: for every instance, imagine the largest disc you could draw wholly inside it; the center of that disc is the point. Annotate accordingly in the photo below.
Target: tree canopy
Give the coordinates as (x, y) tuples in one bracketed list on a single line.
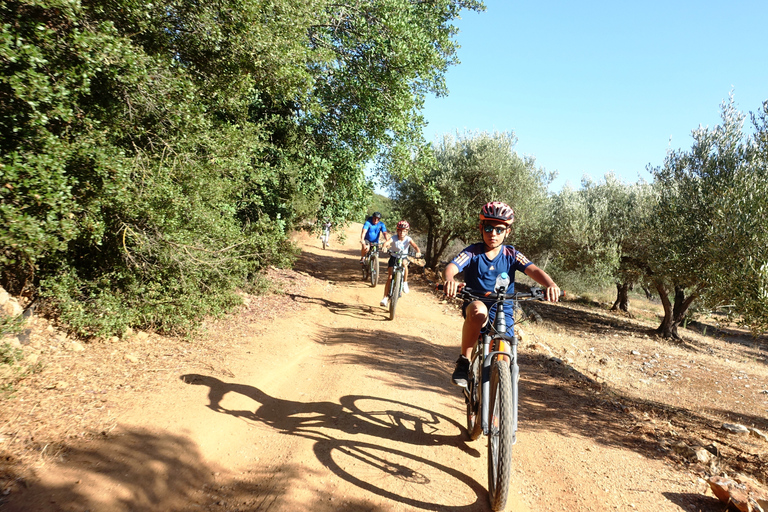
[(458, 176), (154, 155), (707, 239)]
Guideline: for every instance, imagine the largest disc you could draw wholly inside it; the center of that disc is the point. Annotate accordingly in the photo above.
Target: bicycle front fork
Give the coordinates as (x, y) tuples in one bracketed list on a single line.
[(488, 358)]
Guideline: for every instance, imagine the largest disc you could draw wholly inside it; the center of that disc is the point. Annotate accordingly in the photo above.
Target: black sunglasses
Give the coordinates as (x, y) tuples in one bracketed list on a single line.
[(490, 229)]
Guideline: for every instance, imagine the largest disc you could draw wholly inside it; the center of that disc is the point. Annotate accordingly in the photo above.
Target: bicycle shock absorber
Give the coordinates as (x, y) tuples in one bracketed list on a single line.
[(501, 320)]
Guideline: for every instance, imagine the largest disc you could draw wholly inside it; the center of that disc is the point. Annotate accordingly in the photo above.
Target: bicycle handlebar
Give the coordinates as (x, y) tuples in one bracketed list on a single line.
[(398, 254), (467, 293)]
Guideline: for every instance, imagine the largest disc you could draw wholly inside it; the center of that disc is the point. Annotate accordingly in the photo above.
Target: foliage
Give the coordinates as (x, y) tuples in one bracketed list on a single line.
[(597, 228), (13, 368), (383, 205), (155, 156), (460, 175), (708, 239)]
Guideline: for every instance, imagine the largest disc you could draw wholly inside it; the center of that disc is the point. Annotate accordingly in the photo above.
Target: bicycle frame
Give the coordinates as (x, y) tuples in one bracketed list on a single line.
[(506, 346), (374, 249), (399, 266)]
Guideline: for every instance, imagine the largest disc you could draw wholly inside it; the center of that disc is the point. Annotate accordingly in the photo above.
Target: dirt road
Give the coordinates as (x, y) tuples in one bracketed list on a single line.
[(327, 406)]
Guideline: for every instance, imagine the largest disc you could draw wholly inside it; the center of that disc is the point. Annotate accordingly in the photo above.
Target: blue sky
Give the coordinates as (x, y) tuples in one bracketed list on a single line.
[(596, 87)]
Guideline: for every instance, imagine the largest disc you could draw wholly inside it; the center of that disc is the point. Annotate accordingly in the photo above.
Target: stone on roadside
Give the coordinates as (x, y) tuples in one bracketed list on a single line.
[(131, 358), (76, 347), (745, 496), (758, 433), (735, 428), (11, 308), (13, 342), (540, 347), (702, 455)]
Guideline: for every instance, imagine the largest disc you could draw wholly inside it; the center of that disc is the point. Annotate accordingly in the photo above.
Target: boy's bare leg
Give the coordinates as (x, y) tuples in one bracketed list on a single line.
[(389, 283), (476, 315)]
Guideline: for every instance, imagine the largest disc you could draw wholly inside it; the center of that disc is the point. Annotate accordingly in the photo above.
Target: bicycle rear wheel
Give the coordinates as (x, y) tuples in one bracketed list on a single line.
[(394, 293), (500, 434), (473, 396), (374, 271)]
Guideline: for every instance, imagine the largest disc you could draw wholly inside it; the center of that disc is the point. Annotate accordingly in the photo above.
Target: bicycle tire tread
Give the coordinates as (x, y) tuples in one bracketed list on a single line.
[(500, 466)]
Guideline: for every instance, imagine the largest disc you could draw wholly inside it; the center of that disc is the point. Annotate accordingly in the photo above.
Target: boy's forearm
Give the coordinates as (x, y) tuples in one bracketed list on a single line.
[(540, 277)]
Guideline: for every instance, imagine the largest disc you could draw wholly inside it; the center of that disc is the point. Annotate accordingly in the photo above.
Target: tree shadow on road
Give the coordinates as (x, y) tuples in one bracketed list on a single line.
[(697, 502), (133, 469), (558, 398), (406, 362), (338, 265)]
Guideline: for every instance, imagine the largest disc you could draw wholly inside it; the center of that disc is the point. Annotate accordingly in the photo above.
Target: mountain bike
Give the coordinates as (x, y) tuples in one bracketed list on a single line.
[(371, 265), (398, 275), (491, 393)]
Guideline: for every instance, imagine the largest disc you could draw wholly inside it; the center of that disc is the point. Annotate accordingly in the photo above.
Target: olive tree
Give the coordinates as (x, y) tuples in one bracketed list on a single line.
[(707, 240), (459, 175), (595, 228)]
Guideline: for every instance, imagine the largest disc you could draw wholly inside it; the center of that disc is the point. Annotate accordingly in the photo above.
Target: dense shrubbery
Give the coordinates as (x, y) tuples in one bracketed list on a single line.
[(154, 156)]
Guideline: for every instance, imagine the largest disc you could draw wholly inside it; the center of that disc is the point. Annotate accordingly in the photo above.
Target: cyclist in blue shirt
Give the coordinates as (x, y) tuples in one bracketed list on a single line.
[(372, 229), (481, 264)]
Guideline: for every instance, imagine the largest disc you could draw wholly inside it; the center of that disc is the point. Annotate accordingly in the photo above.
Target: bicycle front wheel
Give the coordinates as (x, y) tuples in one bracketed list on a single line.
[(500, 434), (394, 293), (374, 271)]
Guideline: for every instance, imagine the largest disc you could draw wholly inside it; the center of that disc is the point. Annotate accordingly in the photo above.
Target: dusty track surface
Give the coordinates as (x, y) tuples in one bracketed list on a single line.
[(323, 404)]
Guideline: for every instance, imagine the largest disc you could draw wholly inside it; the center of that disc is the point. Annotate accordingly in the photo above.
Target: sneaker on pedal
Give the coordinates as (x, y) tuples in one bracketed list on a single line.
[(405, 288), (461, 373), (384, 301)]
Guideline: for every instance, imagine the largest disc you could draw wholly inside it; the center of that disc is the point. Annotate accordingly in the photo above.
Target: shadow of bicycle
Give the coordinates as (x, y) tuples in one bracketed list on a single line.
[(344, 434)]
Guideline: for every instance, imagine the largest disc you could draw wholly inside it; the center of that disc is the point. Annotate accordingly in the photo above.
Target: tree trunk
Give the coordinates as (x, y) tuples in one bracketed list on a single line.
[(429, 254), (674, 314), (622, 297)]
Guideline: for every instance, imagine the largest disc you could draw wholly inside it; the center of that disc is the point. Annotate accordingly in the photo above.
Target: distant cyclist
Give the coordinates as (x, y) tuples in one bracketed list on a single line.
[(401, 242), (372, 229), (326, 238), (481, 264)]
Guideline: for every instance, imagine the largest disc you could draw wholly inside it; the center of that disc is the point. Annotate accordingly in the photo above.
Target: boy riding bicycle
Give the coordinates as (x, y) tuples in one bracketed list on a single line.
[(481, 264), (372, 229), (401, 241)]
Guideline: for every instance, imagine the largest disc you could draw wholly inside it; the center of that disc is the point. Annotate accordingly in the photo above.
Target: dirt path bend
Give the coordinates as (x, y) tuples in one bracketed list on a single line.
[(328, 406)]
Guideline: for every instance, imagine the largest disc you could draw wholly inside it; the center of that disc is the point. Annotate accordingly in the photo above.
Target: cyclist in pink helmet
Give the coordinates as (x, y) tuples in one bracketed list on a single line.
[(401, 242), (482, 263)]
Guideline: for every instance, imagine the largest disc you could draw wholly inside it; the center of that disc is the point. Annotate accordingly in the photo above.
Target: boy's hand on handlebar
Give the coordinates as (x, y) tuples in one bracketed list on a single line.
[(553, 293), (451, 287)]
